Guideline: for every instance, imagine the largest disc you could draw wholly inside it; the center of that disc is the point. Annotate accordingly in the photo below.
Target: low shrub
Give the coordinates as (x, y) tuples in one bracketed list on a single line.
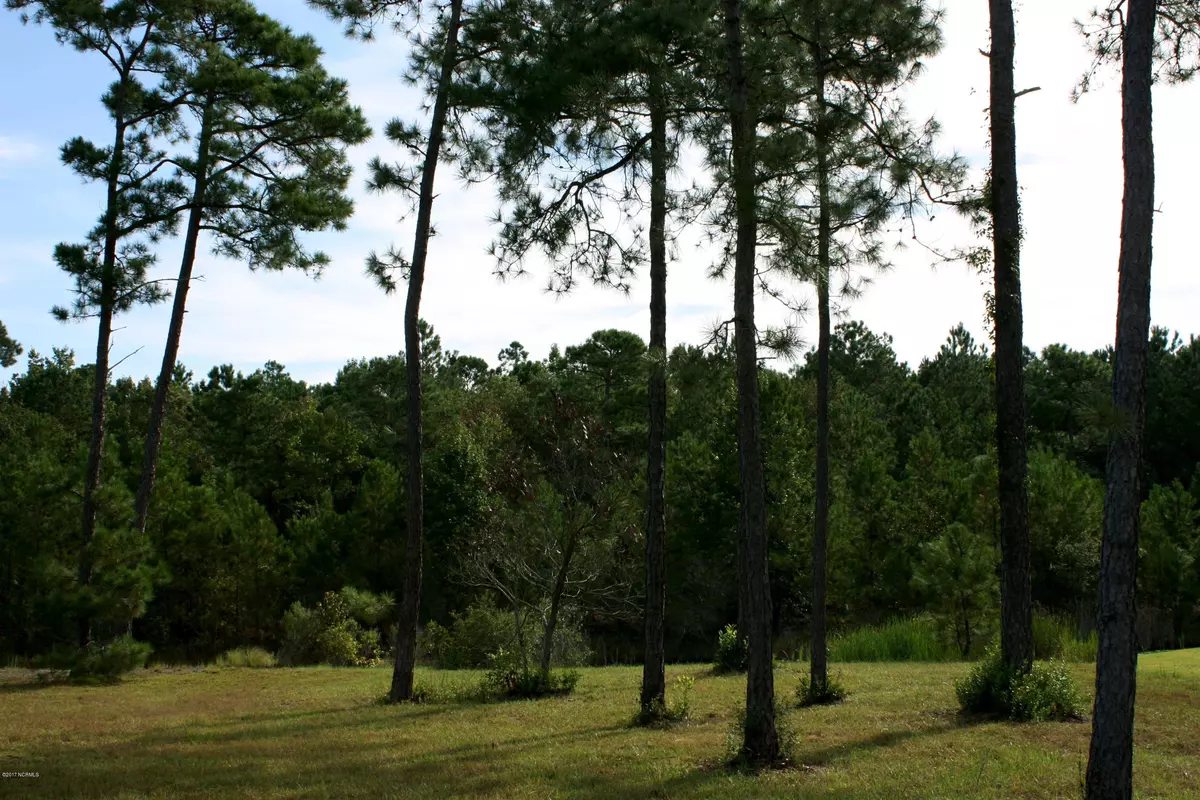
[(738, 758), (732, 653), (912, 639), (252, 657), (328, 634), (678, 707), (509, 678), (97, 663), (483, 629), (1046, 692), (810, 694)]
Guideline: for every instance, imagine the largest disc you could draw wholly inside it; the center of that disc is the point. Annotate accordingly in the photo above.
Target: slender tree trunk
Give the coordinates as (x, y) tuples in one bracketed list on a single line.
[(166, 372), (1110, 763), (91, 482), (560, 584), (1016, 606), (654, 680), (410, 606), (761, 742), (95, 456), (819, 659)]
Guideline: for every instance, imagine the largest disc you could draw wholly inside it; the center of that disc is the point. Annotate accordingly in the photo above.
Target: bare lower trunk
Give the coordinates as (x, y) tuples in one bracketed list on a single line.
[(1110, 762), (166, 372), (654, 681), (95, 462), (91, 483), (1016, 608), (760, 744), (410, 606)]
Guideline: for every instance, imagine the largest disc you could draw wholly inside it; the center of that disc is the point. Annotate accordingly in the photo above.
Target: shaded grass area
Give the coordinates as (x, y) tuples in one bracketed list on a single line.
[(320, 732)]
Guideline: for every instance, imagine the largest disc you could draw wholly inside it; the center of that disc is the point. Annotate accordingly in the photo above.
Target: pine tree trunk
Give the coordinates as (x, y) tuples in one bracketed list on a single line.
[(654, 680), (1016, 608), (1110, 762), (166, 372), (760, 744), (95, 462), (819, 660), (95, 456), (560, 583), (410, 606)]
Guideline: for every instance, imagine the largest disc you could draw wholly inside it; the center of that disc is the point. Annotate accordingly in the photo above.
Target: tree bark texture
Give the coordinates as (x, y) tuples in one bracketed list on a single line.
[(760, 744), (819, 664), (410, 606), (654, 681), (1110, 761), (1016, 606)]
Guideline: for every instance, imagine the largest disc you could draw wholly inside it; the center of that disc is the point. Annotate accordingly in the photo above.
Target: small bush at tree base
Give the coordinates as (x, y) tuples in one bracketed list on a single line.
[(731, 653), (737, 758), (253, 657), (1046, 692), (678, 707), (808, 694)]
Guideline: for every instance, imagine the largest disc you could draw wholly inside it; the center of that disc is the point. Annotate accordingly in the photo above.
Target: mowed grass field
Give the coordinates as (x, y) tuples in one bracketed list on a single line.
[(283, 733)]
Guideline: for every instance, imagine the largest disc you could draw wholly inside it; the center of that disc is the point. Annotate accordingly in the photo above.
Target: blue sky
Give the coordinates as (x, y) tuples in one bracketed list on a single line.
[(1070, 174)]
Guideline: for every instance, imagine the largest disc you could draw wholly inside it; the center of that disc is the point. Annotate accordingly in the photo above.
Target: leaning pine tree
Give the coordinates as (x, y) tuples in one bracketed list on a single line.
[(267, 159), (361, 16)]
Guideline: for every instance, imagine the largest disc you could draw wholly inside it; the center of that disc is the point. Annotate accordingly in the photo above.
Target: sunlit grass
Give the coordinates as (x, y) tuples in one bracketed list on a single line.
[(321, 732)]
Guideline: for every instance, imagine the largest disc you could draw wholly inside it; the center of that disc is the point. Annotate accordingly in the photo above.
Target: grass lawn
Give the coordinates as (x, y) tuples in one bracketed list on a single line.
[(274, 733)]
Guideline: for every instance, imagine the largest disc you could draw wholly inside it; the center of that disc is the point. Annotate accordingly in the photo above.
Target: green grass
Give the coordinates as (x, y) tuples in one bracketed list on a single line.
[(321, 732), (912, 639)]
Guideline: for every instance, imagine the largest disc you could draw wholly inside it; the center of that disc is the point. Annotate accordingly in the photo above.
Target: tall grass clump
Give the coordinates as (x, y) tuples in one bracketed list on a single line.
[(912, 639), (251, 657), (1056, 637)]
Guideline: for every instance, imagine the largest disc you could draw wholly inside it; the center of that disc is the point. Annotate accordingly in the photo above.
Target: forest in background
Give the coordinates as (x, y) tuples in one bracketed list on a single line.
[(273, 491)]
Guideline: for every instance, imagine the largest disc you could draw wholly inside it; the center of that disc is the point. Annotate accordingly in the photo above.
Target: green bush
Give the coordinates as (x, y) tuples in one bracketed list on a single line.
[(254, 657), (1046, 692), (509, 677), (328, 634), (471, 636), (986, 689), (810, 694), (483, 629), (98, 662), (732, 653), (912, 639)]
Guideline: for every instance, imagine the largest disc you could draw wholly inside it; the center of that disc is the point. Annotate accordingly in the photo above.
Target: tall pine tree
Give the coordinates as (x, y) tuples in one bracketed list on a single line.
[(109, 269), (267, 159)]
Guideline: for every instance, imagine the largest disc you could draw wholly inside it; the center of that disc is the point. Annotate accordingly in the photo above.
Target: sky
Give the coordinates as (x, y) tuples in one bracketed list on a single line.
[(1069, 162)]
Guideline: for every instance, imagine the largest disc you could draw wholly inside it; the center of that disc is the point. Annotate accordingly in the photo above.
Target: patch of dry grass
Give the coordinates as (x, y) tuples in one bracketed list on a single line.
[(320, 732)]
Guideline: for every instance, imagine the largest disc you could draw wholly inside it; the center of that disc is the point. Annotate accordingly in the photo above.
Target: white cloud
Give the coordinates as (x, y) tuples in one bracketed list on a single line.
[(17, 150)]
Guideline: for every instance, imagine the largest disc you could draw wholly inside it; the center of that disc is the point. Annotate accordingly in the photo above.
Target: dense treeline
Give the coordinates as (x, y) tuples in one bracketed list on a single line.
[(273, 491)]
